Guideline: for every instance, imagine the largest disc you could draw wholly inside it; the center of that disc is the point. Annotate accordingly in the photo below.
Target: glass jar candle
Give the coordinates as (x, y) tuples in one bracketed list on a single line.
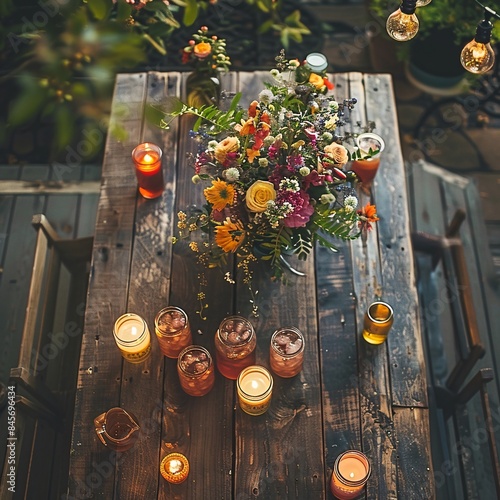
[(174, 468), (377, 322), (235, 343), (147, 162), (286, 352), (196, 370), (350, 474), (172, 331), (132, 337), (316, 62), (254, 387)]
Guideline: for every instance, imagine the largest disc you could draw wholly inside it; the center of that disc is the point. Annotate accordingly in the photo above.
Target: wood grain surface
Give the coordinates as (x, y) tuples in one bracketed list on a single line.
[(349, 395)]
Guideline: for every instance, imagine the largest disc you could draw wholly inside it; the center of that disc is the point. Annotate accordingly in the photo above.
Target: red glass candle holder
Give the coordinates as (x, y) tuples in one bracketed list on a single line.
[(147, 161)]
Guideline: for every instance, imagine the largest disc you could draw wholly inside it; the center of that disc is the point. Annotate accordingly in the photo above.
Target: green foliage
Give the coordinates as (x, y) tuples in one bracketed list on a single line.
[(64, 68), (217, 121)]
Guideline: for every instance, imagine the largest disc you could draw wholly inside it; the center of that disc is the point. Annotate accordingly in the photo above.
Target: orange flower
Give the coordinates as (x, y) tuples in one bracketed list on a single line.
[(253, 109), (228, 145), (246, 127), (316, 80), (220, 194), (329, 85), (367, 215), (252, 153), (229, 235), (202, 50)]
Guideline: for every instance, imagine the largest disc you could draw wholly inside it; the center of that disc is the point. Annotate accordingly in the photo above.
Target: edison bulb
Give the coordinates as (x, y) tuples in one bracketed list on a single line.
[(402, 27), (423, 3), (477, 57)]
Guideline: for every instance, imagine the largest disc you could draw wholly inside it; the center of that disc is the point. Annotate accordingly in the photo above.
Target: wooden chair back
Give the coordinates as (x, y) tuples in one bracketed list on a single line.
[(44, 381)]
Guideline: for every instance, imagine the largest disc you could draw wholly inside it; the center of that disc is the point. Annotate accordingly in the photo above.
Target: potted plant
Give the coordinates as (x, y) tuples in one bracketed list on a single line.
[(433, 56)]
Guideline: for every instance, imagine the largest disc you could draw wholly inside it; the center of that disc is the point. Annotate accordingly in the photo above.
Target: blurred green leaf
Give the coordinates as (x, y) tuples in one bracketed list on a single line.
[(155, 44), (266, 26), (65, 119), (159, 29), (27, 105), (99, 8), (157, 5), (284, 37), (123, 11), (190, 13), (262, 5)]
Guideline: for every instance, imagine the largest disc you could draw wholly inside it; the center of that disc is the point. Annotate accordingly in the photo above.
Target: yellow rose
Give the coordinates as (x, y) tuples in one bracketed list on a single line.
[(317, 81), (258, 194), (337, 153), (228, 145), (202, 49)]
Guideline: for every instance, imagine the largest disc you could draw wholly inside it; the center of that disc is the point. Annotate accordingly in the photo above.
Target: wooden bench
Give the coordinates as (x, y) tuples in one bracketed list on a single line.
[(44, 382), (459, 305)]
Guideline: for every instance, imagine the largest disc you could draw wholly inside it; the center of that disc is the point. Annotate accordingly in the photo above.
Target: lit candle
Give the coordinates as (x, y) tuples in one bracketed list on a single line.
[(317, 62), (174, 468), (147, 161), (350, 473), (132, 337), (254, 387)]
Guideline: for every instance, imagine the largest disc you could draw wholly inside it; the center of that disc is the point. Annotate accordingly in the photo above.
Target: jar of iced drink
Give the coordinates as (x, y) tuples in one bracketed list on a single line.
[(196, 370), (172, 331), (286, 352), (235, 343)]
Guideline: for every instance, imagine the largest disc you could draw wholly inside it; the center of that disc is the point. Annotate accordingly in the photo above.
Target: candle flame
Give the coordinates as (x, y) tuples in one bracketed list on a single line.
[(351, 474), (133, 330), (148, 158)]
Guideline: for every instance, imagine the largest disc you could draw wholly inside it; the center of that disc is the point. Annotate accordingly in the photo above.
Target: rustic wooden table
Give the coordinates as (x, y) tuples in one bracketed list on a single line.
[(350, 395)]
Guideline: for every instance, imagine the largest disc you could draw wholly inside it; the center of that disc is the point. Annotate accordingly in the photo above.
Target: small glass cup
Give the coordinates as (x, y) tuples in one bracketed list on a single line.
[(351, 471), (286, 352), (377, 323), (196, 370), (172, 331), (254, 387), (147, 161), (367, 169), (132, 337), (235, 343)]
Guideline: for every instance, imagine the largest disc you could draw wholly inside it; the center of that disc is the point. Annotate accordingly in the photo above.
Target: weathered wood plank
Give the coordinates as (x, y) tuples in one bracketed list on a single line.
[(49, 187), (373, 361), (92, 465), (415, 473), (407, 372), (339, 363), (142, 384), (408, 377), (337, 340), (277, 453), (186, 418)]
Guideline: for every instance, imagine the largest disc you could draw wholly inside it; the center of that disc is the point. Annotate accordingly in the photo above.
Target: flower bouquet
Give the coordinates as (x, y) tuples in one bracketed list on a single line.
[(273, 176)]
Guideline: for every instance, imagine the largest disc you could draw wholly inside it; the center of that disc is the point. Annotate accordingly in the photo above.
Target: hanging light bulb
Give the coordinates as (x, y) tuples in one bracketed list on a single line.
[(402, 25), (478, 56), (423, 3)]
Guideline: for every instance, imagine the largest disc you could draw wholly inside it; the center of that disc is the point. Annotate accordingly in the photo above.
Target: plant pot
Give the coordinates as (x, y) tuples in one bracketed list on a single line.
[(435, 60)]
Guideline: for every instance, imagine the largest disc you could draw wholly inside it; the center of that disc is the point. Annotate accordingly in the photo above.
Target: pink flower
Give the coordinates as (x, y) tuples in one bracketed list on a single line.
[(302, 209)]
